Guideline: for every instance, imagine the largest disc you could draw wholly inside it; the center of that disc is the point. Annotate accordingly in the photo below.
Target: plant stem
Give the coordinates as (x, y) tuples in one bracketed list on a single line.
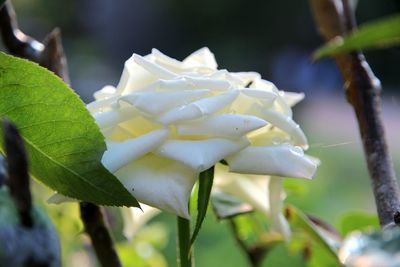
[(18, 177), (98, 232), (183, 249), (363, 89)]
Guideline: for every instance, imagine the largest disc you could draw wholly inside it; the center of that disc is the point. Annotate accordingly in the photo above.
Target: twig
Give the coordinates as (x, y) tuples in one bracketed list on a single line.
[(98, 232), (18, 178), (363, 89), (50, 54), (15, 40)]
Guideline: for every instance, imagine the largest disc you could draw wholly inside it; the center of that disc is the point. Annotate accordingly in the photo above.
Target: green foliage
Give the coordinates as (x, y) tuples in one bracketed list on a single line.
[(203, 197), (298, 220), (381, 33), (64, 143), (357, 220)]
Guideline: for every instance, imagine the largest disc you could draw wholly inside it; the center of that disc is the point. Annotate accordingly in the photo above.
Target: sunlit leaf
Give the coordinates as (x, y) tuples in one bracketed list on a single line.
[(205, 184), (357, 220), (63, 142), (298, 219), (380, 33)]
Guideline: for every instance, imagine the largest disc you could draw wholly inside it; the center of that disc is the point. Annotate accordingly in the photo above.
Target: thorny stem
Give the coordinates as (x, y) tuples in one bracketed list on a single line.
[(363, 89), (18, 178), (50, 54)]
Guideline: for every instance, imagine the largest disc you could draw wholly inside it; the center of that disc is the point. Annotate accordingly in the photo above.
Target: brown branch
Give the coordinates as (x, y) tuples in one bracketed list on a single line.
[(18, 180), (50, 54), (15, 40), (96, 228), (336, 18)]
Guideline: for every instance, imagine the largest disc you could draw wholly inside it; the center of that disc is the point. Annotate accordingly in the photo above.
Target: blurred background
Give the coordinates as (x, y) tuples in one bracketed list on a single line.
[(274, 38)]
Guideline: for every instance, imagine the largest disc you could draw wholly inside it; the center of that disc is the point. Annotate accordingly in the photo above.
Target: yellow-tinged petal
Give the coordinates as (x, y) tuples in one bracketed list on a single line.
[(225, 125), (250, 189), (155, 103), (135, 218), (119, 154), (113, 117), (198, 109), (159, 182), (279, 160), (202, 57), (287, 125), (203, 154)]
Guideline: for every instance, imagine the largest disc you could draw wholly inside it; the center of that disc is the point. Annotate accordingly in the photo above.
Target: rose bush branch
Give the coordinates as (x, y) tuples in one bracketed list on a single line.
[(50, 54), (363, 89), (18, 178), (97, 229)]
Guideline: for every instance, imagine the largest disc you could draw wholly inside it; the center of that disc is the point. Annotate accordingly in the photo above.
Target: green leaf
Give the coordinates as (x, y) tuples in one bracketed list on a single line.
[(2, 2), (64, 143), (298, 219), (381, 33), (357, 220), (205, 184), (184, 257)]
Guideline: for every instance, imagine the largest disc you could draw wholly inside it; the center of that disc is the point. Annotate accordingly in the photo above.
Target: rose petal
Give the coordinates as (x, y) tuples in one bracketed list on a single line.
[(167, 62), (211, 84), (279, 104), (250, 189), (102, 104), (197, 109), (105, 92), (203, 57), (226, 125), (278, 221), (292, 98), (153, 68), (259, 94), (159, 182), (157, 102), (135, 218), (246, 77), (119, 154), (203, 154), (106, 119), (287, 125), (134, 77), (279, 160)]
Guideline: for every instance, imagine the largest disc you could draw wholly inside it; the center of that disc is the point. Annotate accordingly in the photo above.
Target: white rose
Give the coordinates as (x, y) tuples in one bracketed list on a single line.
[(169, 120)]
